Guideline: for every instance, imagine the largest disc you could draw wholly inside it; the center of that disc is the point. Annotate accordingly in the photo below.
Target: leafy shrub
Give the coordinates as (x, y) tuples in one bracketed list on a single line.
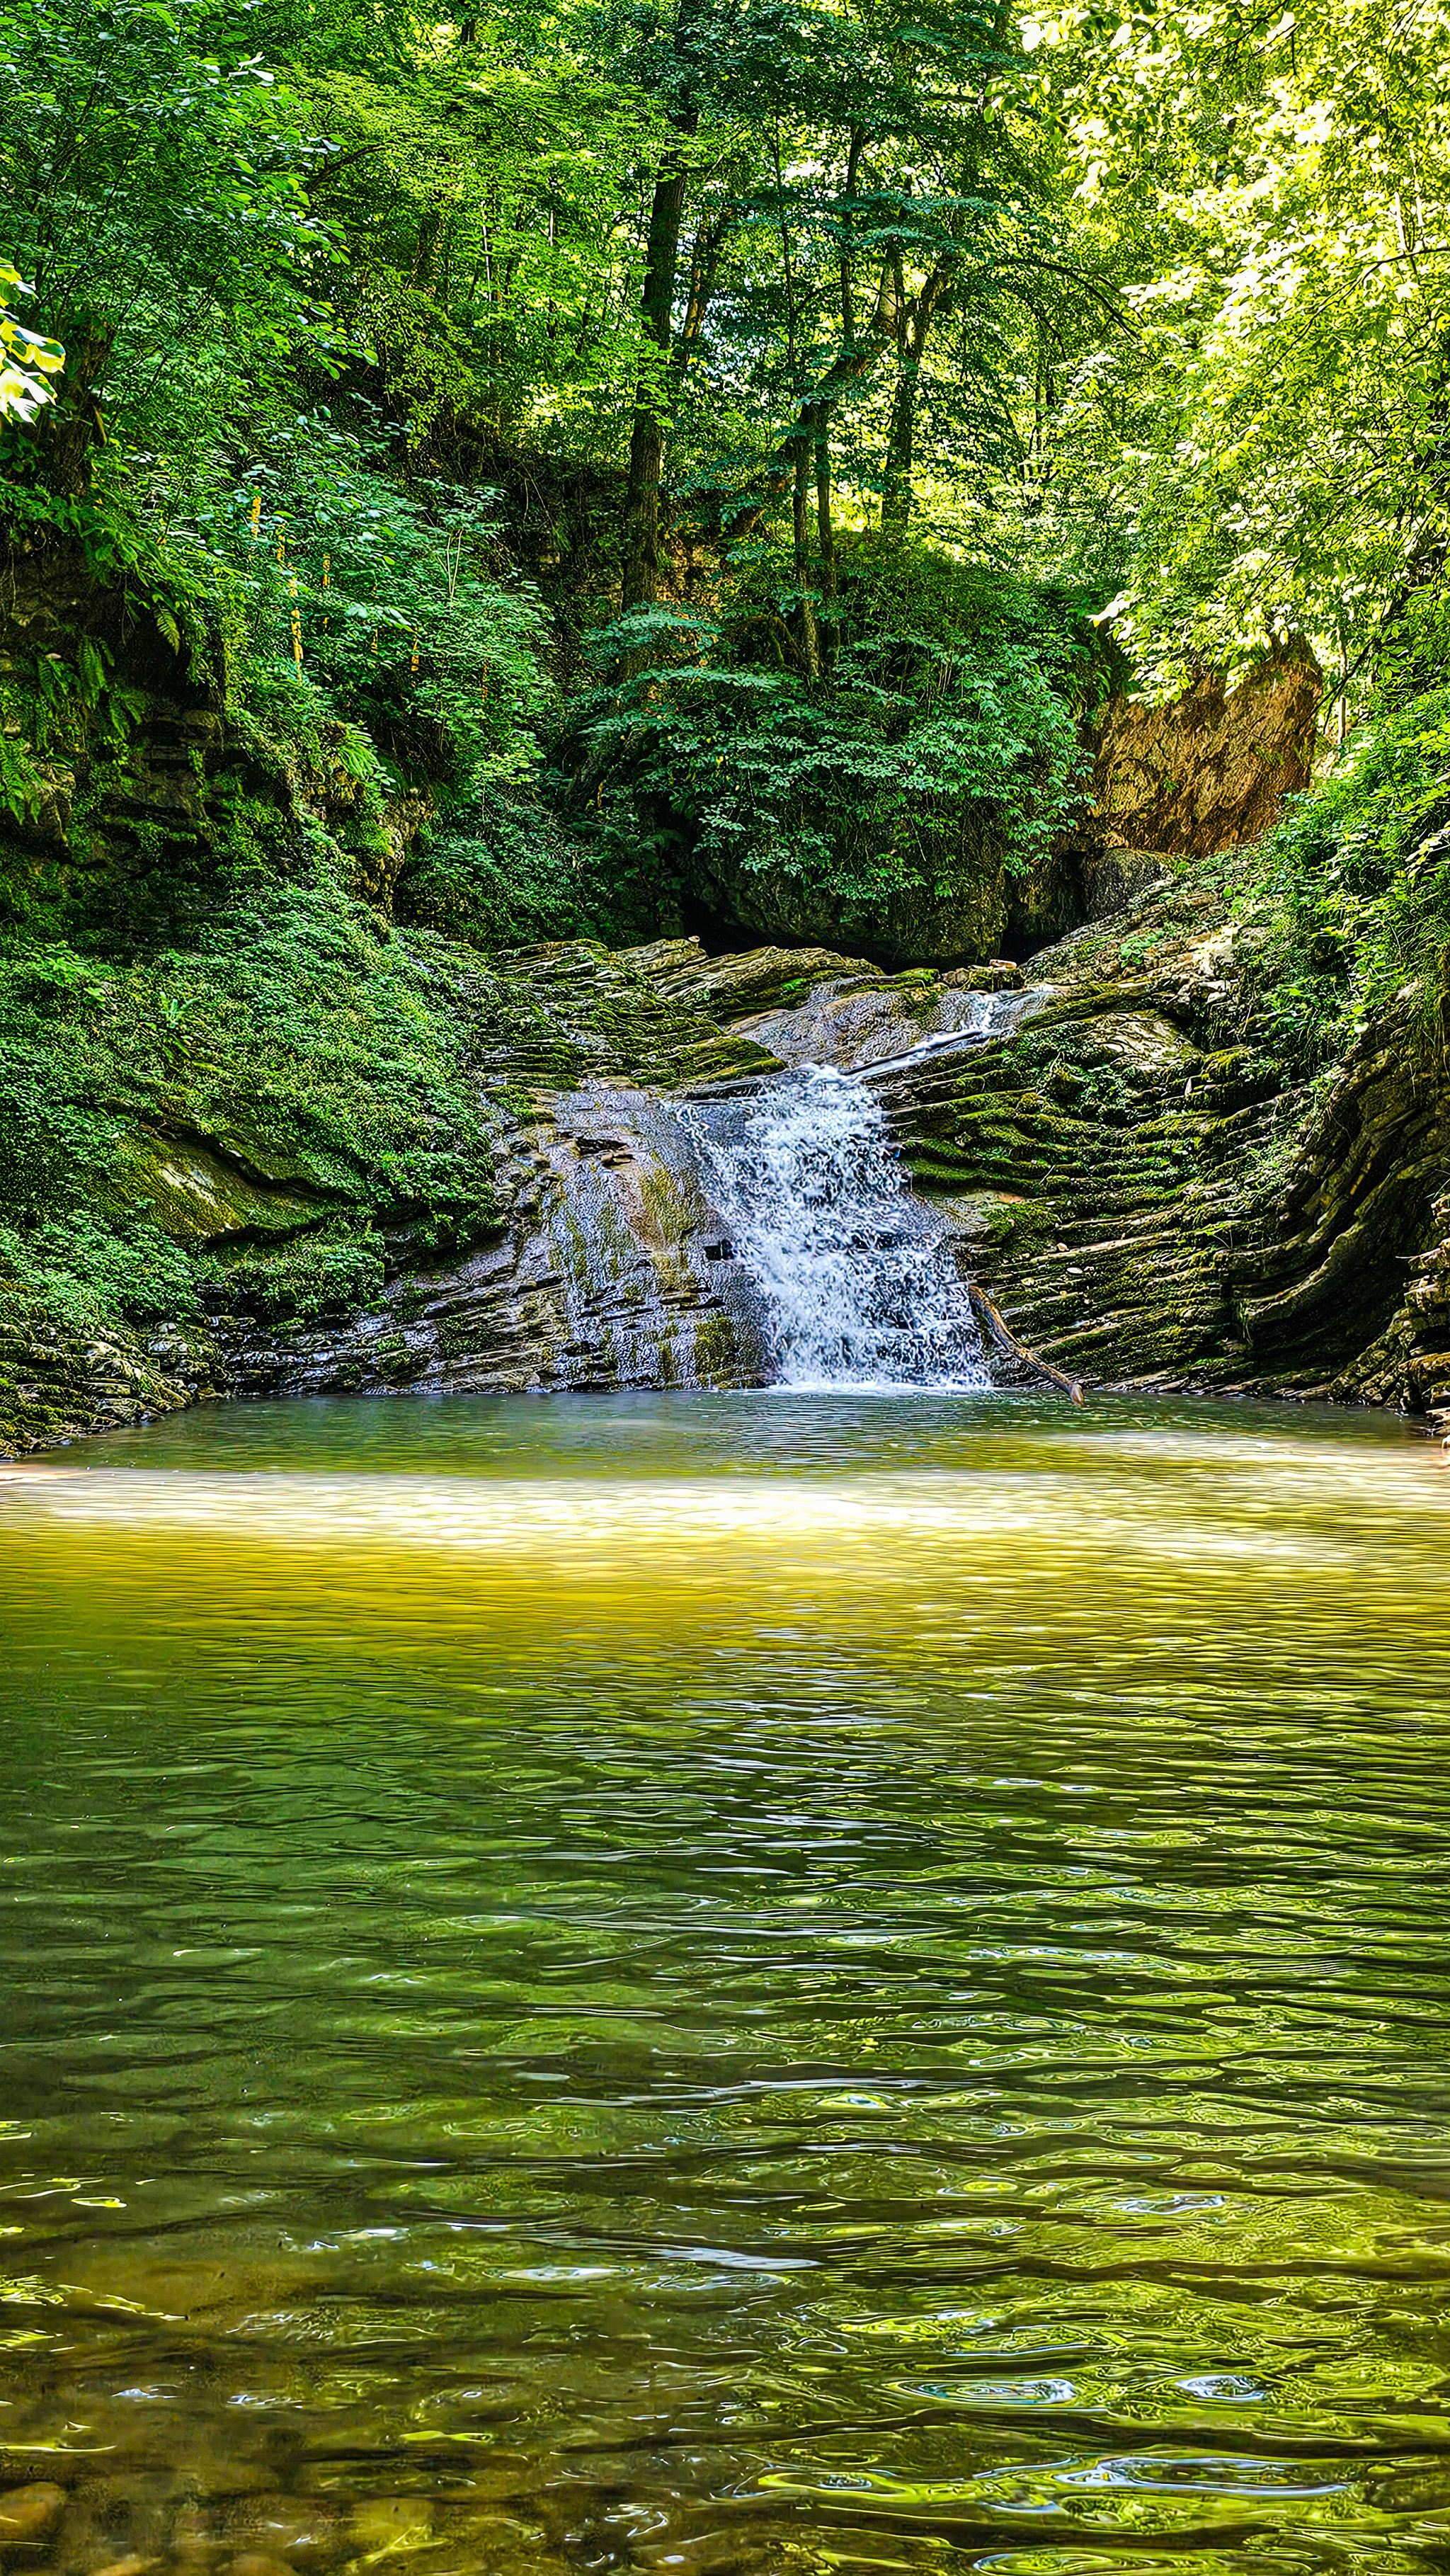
[(331, 1273), (301, 1043), (1351, 891), (939, 746), (504, 877), (394, 603), (88, 1273)]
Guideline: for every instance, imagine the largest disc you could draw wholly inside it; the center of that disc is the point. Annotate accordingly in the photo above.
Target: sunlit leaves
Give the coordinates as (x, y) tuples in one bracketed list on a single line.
[(29, 364), (1275, 196)]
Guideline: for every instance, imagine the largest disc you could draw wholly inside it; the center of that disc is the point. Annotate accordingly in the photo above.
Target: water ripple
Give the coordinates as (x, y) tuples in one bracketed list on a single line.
[(734, 1984)]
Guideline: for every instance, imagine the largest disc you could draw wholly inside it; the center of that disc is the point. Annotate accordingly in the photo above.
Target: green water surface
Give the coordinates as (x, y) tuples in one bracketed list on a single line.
[(744, 1982)]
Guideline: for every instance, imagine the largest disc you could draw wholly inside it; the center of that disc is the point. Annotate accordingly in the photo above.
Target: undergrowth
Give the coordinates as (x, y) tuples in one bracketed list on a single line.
[(936, 751), (314, 1061), (1349, 896)]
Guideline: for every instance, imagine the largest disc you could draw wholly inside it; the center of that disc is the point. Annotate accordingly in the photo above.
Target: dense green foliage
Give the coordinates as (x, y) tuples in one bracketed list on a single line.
[(325, 1059), (1268, 191), (317, 280), (1102, 303), (1349, 897), (946, 744)]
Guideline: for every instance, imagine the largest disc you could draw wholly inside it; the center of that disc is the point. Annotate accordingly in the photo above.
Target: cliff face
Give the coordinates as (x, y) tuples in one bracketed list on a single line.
[(1153, 1204), (524, 1212), (1209, 770), (1123, 1167)]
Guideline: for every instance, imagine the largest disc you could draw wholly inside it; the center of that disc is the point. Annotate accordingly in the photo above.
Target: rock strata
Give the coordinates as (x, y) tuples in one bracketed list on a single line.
[(1151, 1203), (1111, 1140), (594, 1262)]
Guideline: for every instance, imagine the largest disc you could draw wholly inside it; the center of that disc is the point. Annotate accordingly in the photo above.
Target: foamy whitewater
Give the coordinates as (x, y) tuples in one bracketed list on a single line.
[(859, 1282)]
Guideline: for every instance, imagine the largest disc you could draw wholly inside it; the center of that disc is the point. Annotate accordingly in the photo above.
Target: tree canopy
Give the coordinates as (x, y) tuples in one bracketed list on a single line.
[(727, 418)]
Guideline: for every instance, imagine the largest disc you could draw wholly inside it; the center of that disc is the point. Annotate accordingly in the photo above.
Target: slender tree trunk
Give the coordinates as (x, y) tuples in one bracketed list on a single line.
[(641, 574), (854, 150), (709, 244), (807, 633), (854, 367), (826, 537), (901, 435)]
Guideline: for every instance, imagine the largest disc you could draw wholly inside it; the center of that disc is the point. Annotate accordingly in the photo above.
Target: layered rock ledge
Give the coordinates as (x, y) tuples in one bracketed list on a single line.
[(1121, 1162)]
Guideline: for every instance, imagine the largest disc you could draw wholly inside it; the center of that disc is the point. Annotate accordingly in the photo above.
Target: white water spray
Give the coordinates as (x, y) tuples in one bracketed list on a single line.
[(858, 1280)]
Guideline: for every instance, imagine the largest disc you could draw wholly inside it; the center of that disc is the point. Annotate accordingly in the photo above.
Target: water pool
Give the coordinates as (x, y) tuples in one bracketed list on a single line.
[(728, 1982)]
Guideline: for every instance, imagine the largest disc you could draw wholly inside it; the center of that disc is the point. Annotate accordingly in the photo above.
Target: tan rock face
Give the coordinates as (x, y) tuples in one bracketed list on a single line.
[(1210, 770)]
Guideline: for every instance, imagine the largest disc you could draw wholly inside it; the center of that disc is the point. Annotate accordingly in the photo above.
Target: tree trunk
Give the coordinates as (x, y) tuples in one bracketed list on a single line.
[(807, 635), (854, 366), (640, 582), (710, 241), (896, 481), (826, 537), (70, 429), (901, 436), (854, 150)]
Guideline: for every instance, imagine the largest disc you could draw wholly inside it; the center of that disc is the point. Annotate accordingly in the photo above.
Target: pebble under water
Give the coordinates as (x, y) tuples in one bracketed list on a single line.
[(729, 1983)]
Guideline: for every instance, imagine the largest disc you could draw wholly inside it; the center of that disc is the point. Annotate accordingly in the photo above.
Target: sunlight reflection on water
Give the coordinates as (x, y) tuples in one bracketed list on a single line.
[(733, 1983)]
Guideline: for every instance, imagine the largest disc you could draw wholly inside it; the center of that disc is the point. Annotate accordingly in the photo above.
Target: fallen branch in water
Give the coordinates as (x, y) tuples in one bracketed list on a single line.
[(1002, 1332)]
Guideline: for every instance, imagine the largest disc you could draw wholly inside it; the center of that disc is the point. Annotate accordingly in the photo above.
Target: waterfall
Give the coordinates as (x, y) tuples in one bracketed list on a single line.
[(857, 1279)]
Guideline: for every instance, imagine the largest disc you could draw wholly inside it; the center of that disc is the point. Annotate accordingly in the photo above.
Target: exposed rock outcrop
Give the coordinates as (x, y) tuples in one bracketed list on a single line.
[(1153, 1204), (944, 923), (610, 1268), (594, 1259), (1125, 1171), (1204, 772), (1130, 1173), (809, 1006)]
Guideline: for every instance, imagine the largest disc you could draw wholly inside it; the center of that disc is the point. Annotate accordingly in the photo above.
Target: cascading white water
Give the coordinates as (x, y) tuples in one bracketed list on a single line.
[(858, 1280)]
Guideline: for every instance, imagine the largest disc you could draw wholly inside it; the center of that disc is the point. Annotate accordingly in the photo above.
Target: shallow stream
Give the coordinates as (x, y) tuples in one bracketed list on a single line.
[(747, 1982)]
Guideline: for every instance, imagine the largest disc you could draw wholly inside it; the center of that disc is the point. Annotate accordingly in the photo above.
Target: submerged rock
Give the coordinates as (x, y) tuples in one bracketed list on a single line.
[(28, 2515)]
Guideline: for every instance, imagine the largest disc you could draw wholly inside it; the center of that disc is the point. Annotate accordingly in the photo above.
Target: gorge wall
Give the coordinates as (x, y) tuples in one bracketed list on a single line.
[(257, 1139), (1119, 1164)]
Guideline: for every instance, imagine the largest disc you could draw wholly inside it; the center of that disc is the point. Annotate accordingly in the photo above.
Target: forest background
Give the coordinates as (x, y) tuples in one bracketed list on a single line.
[(701, 435), (639, 464)]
